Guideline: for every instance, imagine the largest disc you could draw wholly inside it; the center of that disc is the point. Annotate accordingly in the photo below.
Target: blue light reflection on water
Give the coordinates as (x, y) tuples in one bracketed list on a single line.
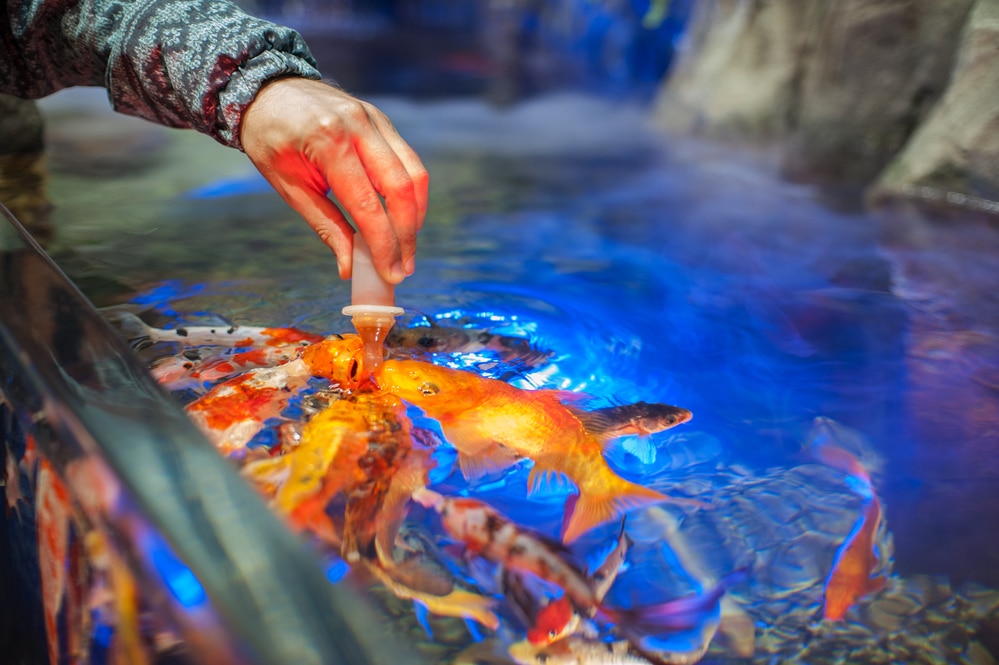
[(176, 576)]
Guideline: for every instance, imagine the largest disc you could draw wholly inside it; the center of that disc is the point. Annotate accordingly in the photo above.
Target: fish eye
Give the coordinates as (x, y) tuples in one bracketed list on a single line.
[(553, 633), (426, 342), (353, 368), (428, 389)]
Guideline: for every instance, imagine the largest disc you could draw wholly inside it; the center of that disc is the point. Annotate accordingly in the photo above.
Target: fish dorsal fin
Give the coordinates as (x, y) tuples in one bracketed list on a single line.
[(597, 423)]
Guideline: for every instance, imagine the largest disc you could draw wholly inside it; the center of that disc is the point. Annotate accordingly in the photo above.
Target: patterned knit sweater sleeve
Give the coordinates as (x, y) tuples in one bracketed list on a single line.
[(181, 63)]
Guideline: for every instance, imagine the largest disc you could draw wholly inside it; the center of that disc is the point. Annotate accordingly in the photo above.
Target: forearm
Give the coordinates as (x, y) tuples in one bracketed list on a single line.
[(181, 63)]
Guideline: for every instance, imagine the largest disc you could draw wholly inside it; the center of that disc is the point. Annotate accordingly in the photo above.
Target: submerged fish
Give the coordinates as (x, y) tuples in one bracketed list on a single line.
[(488, 533), (852, 575), (492, 423), (576, 651), (422, 575), (856, 559), (233, 412), (194, 368), (734, 623), (681, 614), (558, 618), (447, 600), (440, 339), (53, 512), (322, 463), (141, 335), (639, 419)]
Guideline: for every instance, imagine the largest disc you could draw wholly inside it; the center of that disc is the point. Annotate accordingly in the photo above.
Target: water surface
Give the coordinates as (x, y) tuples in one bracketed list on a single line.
[(656, 270)]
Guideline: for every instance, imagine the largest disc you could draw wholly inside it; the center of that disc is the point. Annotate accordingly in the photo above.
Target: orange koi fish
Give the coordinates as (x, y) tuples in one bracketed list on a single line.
[(319, 467), (492, 424), (233, 412), (850, 578), (388, 473), (337, 358), (52, 511)]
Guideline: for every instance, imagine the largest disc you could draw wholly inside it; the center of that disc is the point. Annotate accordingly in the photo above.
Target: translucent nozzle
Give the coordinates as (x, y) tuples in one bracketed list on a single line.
[(366, 286), (372, 307)]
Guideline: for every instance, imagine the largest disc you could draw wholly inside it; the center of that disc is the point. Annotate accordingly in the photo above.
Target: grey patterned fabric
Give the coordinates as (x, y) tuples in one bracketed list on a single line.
[(181, 63)]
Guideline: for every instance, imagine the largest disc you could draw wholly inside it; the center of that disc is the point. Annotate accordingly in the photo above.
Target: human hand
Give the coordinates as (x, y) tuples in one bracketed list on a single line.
[(308, 138)]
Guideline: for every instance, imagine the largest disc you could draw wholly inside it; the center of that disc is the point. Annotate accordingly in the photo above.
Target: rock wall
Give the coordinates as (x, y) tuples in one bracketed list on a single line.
[(849, 92), (953, 157)]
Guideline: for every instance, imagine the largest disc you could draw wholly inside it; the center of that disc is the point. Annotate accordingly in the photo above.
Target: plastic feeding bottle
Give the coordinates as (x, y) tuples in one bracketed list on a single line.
[(372, 307)]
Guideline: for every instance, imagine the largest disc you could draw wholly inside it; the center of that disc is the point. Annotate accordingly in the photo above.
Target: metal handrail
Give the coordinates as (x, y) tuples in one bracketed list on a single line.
[(170, 500)]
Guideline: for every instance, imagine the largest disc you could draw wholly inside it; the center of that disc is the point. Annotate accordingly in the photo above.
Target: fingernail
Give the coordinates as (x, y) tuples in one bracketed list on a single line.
[(410, 266), (396, 273)]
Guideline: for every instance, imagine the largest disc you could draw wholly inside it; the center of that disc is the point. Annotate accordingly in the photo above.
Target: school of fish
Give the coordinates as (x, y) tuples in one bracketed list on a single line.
[(341, 459)]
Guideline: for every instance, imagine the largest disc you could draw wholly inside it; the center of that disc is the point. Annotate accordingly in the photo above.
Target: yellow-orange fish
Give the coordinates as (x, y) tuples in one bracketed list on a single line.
[(850, 578), (492, 424), (233, 412), (857, 558)]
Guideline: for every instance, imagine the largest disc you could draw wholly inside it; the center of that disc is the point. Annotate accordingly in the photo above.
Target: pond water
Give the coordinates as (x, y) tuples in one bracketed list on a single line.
[(654, 270)]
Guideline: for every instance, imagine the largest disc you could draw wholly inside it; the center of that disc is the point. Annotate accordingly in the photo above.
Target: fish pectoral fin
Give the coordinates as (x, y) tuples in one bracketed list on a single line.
[(877, 584), (268, 473), (543, 476), (412, 476), (493, 459)]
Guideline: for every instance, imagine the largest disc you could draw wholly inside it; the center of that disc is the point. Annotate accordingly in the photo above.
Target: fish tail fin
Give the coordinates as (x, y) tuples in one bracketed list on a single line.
[(131, 327), (592, 509), (680, 614)]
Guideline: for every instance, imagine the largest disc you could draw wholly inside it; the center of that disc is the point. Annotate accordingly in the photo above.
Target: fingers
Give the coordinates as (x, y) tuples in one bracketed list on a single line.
[(308, 138), (356, 180)]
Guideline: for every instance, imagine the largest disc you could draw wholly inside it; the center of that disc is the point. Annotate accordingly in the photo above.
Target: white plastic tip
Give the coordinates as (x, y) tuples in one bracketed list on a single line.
[(372, 310)]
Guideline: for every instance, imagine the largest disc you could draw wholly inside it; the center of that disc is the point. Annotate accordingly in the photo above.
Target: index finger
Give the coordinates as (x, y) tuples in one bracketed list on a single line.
[(405, 192), (353, 188)]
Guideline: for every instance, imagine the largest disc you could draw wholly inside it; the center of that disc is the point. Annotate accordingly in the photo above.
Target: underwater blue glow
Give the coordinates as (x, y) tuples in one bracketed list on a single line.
[(103, 634), (250, 184), (862, 486), (336, 570), (473, 630), (423, 617), (161, 296), (177, 577)]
